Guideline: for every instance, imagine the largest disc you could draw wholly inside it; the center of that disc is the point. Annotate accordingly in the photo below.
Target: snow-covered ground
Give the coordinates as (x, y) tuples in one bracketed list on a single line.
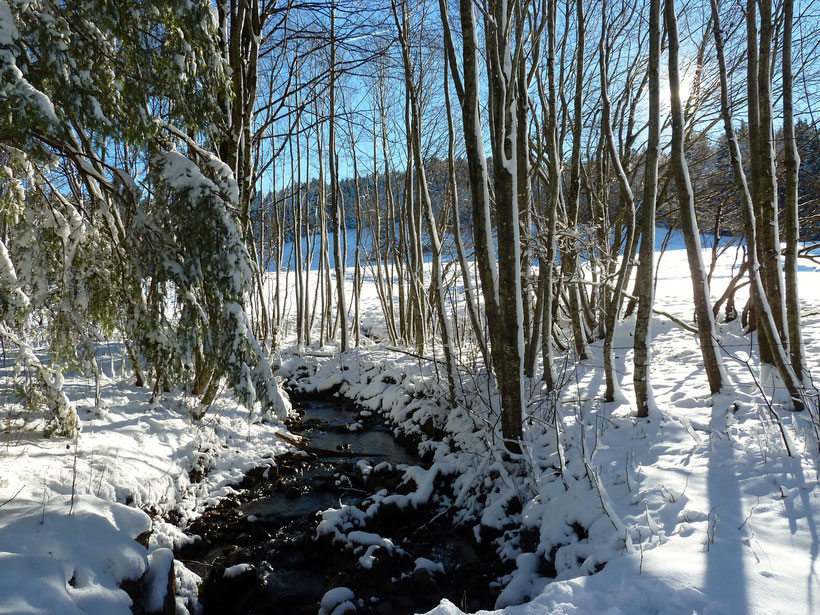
[(716, 516), (69, 511), (722, 519)]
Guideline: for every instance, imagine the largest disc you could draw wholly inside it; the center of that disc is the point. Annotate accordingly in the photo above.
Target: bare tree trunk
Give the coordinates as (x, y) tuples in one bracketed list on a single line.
[(628, 206), (508, 347), (335, 205), (424, 194), (357, 258), (703, 304), (241, 27), (392, 254), (768, 227), (553, 202), (296, 208), (412, 235), (503, 309), (600, 252), (383, 286), (645, 283), (764, 186), (308, 248), (325, 321), (572, 271), (765, 317), (523, 169), (277, 250), (469, 297), (477, 164), (792, 218)]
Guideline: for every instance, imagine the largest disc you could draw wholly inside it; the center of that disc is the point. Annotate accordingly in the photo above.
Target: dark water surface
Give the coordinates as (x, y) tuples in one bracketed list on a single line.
[(270, 527)]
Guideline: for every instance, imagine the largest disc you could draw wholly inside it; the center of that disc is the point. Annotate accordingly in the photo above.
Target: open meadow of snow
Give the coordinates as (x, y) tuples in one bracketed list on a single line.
[(700, 509)]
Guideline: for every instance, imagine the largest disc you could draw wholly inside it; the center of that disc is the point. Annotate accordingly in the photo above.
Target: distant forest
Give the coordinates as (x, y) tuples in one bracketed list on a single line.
[(716, 199)]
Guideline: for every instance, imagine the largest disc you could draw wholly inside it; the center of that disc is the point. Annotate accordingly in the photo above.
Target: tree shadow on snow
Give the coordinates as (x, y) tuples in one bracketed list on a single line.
[(725, 571)]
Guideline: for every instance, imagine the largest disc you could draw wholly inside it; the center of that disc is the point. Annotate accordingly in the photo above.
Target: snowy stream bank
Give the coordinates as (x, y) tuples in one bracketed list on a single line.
[(698, 509), (257, 551)]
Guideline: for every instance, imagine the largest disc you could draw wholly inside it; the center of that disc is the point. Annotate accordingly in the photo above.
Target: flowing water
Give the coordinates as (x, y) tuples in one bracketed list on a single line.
[(265, 536)]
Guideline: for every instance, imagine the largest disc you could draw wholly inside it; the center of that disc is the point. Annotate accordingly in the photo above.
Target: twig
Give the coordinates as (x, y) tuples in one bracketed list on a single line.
[(74, 477), (12, 498), (751, 512), (674, 319), (414, 355)]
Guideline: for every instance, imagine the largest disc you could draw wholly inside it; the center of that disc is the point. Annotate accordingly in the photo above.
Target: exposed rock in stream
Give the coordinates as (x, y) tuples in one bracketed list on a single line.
[(258, 551)]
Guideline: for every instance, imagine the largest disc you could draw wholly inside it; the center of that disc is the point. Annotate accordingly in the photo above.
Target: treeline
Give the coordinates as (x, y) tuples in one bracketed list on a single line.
[(716, 199)]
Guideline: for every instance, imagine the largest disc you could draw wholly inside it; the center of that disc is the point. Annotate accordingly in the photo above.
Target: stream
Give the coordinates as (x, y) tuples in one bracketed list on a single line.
[(265, 535)]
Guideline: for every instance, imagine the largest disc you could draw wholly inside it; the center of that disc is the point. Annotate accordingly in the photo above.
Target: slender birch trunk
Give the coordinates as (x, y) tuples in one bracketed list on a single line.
[(703, 304), (645, 283)]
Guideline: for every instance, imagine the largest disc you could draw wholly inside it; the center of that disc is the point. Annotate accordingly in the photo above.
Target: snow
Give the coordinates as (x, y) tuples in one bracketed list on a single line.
[(335, 600), (697, 510), (724, 521), (422, 563), (15, 89), (82, 556), (368, 539), (159, 568), (131, 457), (8, 31), (238, 569)]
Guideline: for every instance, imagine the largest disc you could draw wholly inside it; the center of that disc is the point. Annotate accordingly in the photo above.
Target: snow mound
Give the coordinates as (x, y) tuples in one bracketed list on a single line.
[(76, 557), (337, 601)]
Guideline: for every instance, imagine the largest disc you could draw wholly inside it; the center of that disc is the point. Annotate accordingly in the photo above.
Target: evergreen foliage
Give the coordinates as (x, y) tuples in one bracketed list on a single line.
[(106, 229)]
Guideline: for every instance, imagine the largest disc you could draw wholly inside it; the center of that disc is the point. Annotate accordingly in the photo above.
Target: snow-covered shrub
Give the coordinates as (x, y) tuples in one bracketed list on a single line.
[(37, 385), (80, 84), (198, 257), (98, 67)]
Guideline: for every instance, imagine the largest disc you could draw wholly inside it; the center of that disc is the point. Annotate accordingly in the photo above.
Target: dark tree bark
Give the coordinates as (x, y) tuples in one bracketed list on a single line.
[(792, 216), (571, 270), (764, 179), (627, 205), (337, 214)]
